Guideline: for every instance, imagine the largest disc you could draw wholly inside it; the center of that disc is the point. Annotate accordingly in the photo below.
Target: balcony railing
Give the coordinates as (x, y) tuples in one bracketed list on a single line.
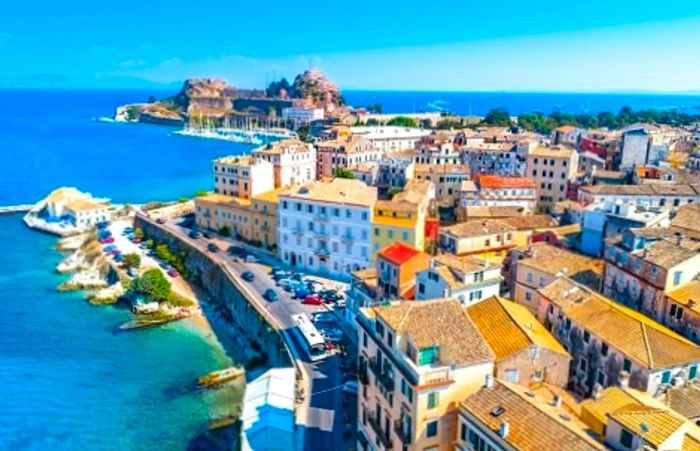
[(442, 376), (385, 378), (323, 250), (401, 433), (377, 428), (362, 373)]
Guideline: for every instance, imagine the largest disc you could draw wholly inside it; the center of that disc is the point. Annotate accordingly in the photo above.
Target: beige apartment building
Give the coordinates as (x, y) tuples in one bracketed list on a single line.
[(242, 176), (417, 361), (552, 168), (532, 267), (293, 161), (344, 153)]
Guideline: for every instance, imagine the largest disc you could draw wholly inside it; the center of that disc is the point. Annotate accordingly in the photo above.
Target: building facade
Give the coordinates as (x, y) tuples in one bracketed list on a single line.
[(325, 226), (552, 168), (467, 279), (243, 176), (293, 161)]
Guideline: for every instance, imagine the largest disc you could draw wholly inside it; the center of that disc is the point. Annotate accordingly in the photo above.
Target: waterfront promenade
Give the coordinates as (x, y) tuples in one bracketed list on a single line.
[(321, 418)]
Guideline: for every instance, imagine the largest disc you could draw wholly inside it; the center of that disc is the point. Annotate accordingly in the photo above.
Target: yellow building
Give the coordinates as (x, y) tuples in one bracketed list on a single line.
[(217, 211), (264, 219), (403, 217), (418, 360)]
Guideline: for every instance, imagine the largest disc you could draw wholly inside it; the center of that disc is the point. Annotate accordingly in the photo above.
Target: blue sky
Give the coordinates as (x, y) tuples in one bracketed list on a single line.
[(584, 46)]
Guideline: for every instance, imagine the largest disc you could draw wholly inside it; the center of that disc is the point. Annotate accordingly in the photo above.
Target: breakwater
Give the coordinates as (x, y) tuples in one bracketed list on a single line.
[(226, 293)]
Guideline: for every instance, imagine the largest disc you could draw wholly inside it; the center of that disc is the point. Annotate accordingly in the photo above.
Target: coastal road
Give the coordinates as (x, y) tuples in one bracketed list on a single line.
[(330, 416)]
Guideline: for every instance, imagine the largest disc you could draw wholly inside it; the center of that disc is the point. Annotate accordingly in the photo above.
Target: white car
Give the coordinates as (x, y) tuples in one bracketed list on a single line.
[(251, 259)]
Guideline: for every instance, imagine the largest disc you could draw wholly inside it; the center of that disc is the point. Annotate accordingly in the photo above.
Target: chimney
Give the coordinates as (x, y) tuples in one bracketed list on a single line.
[(597, 391), (503, 429), (624, 379), (489, 381), (557, 401)]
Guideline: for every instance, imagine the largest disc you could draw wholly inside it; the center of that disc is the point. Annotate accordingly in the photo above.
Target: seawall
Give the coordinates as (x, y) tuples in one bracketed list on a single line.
[(227, 296)]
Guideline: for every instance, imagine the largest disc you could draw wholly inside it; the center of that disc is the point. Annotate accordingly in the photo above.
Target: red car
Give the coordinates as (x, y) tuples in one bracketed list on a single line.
[(312, 299), (137, 240)]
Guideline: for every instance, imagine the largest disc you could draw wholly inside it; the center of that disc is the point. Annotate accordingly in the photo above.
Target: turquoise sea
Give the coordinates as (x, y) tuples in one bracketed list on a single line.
[(68, 380)]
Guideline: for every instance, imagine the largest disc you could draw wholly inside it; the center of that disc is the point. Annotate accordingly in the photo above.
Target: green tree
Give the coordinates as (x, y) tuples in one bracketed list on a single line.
[(152, 99), (403, 121), (393, 191), (225, 231), (498, 117), (343, 173), (304, 133), (132, 260), (375, 108), (426, 123), (138, 232), (152, 284), (372, 122), (201, 193), (132, 113)]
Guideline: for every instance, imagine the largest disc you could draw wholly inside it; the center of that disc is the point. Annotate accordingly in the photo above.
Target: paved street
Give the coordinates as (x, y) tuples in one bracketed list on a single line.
[(330, 414)]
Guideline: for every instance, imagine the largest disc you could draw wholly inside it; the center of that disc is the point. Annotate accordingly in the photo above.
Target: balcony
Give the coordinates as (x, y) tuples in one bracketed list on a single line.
[(438, 377), (347, 238), (298, 231), (265, 227), (323, 251), (377, 428), (384, 378), (403, 434), (362, 373)]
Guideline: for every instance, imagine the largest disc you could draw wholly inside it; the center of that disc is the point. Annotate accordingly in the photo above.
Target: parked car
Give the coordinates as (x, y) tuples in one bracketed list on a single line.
[(279, 274), (172, 272), (165, 265), (350, 387), (193, 234), (207, 235), (137, 240), (160, 220), (314, 286), (118, 257), (213, 247), (251, 259), (312, 299), (322, 317), (340, 303), (132, 272), (331, 333), (271, 295), (302, 293), (235, 250), (248, 276)]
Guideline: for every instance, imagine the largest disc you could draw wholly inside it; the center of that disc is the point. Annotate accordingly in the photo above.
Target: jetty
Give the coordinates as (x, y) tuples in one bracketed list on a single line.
[(220, 377), (143, 323), (15, 208)]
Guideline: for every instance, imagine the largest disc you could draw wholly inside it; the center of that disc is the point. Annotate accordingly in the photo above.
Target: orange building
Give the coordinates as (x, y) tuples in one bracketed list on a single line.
[(397, 265)]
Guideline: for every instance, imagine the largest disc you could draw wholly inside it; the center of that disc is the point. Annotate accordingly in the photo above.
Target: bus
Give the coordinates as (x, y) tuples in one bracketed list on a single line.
[(313, 342)]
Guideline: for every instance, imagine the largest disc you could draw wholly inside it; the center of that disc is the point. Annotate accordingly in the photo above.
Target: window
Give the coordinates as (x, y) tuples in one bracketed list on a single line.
[(666, 377), (586, 336), (379, 328), (433, 398), (626, 438), (421, 288), (432, 429), (529, 277), (693, 372), (463, 432), (390, 339), (601, 378), (364, 339), (583, 364), (677, 277), (512, 376), (364, 215), (528, 296), (627, 365), (427, 356), (604, 349)]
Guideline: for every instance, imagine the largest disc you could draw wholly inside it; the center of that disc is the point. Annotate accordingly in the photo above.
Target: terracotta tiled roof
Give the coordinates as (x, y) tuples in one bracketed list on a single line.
[(534, 424), (660, 423), (668, 253), (684, 400), (529, 222), (398, 253), (637, 336), (688, 217), (477, 228), (510, 328), (442, 323), (554, 260), (335, 191), (687, 293), (495, 181)]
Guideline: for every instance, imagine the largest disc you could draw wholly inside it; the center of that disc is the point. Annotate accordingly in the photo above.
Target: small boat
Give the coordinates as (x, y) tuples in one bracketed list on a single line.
[(222, 422), (220, 377)]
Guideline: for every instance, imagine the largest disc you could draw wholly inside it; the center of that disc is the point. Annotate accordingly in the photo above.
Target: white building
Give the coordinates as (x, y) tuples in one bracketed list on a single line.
[(243, 176), (495, 158), (495, 191), (653, 195), (439, 154), (294, 161), (303, 115), (467, 279), (389, 139), (79, 208), (325, 226)]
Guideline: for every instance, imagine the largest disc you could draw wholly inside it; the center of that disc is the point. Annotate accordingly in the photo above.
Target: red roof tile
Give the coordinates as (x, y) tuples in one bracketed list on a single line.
[(495, 181), (398, 253)]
